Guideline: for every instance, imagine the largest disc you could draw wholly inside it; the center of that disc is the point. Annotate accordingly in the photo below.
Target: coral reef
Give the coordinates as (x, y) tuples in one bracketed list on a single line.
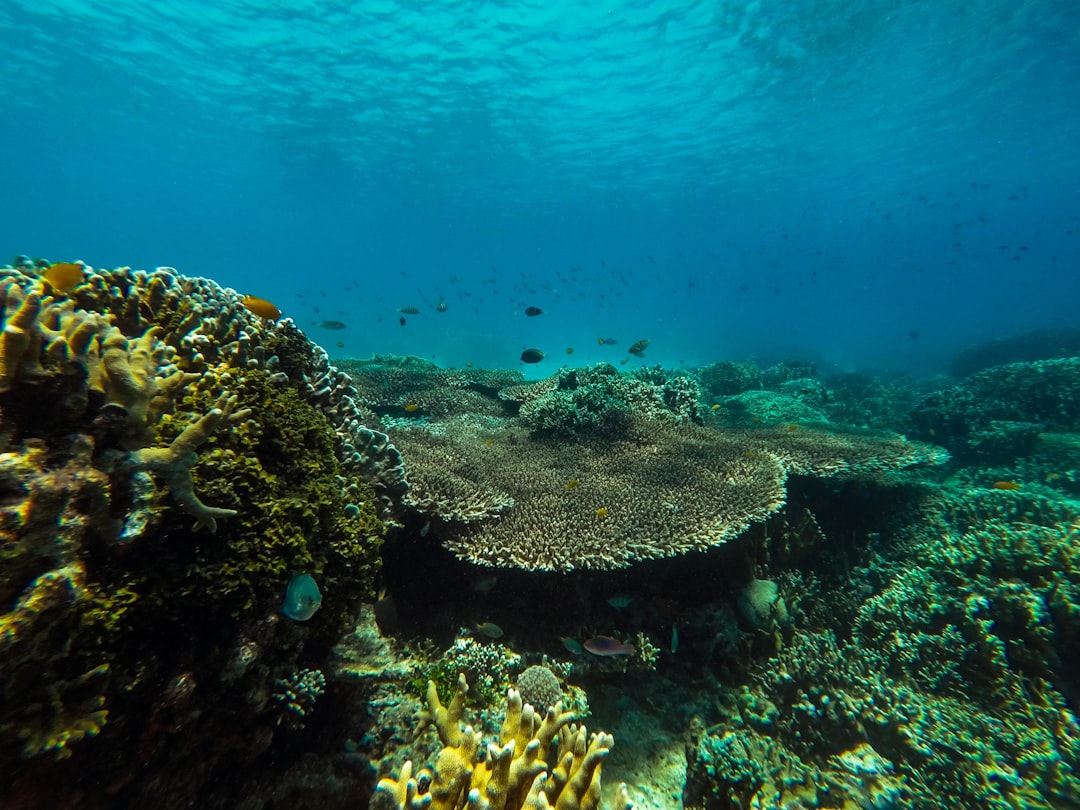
[(513, 773), (933, 694), (996, 415), (660, 488), (130, 405)]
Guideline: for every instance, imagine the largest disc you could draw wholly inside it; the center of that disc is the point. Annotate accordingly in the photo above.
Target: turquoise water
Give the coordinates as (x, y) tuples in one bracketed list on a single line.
[(860, 183)]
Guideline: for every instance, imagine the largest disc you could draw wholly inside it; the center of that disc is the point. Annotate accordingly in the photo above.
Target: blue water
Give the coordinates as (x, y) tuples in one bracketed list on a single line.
[(861, 183)]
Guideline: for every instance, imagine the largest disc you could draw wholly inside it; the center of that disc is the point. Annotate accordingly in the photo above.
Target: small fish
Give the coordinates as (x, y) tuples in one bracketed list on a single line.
[(412, 407), (792, 428), (570, 350), (386, 614), (606, 645), (468, 364), (1008, 486), (638, 347), (624, 361), (674, 639), (489, 443), (441, 306), (408, 310), (489, 629), (260, 307), (340, 344), (64, 276), (302, 598), (715, 407), (608, 342), (1051, 476), (401, 321), (532, 356), (620, 601), (333, 326), (572, 645), (485, 584), (532, 312), (601, 512), (572, 484)]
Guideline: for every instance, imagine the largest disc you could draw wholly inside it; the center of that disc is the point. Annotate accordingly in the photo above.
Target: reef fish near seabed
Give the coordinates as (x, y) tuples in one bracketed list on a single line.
[(302, 598)]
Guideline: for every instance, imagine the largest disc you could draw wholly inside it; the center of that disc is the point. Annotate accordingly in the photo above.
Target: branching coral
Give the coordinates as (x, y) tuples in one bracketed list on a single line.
[(174, 462), (513, 773)]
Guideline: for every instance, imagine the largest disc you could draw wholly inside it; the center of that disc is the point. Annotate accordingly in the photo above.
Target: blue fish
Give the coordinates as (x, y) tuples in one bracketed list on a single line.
[(302, 598)]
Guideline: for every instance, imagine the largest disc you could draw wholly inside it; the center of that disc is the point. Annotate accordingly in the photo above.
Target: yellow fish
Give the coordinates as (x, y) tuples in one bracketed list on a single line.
[(64, 276), (412, 407), (601, 512), (260, 307), (573, 482), (715, 407)]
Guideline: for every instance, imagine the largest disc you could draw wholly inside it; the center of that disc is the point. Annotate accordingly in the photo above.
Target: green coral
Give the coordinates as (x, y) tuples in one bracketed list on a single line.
[(281, 476)]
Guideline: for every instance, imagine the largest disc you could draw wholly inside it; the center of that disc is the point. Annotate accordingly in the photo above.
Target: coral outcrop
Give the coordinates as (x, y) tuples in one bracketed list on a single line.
[(132, 406)]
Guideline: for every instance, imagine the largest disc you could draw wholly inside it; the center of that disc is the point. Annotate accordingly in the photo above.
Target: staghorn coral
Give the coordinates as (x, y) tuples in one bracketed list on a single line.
[(660, 490), (513, 772)]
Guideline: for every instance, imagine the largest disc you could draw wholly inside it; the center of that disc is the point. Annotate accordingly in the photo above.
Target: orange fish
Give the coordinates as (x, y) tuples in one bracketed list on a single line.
[(64, 276), (260, 307), (792, 428), (1006, 485)]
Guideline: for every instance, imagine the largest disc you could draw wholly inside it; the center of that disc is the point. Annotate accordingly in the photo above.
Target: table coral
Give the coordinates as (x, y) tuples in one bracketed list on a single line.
[(659, 489)]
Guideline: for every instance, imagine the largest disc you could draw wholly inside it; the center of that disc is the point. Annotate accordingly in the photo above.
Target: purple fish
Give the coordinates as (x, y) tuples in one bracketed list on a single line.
[(606, 645)]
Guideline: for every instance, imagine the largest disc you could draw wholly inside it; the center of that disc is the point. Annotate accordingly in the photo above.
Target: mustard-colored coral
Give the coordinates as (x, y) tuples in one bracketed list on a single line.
[(513, 773)]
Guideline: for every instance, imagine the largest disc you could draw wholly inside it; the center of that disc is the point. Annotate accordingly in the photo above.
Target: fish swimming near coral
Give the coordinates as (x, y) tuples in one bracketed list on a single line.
[(302, 598), (333, 326), (572, 645), (606, 645), (620, 601), (638, 347), (408, 310), (489, 629), (532, 356), (608, 342), (532, 312), (1007, 486), (441, 306), (572, 484), (64, 276), (260, 307)]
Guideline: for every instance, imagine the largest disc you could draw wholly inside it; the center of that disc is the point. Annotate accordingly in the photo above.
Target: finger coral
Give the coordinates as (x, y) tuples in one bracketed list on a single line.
[(513, 773)]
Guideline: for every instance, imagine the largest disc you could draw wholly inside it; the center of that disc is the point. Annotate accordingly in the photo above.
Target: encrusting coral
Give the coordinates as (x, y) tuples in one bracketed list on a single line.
[(512, 774)]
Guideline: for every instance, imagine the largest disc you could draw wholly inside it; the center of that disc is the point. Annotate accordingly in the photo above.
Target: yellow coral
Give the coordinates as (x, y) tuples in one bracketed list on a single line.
[(513, 774)]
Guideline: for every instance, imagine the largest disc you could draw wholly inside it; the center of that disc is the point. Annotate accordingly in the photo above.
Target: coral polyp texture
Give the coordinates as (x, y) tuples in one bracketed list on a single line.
[(655, 487), (513, 772), (167, 461)]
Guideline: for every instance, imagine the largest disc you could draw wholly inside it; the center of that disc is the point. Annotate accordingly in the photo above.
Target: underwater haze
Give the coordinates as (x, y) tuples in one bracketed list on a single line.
[(863, 184)]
